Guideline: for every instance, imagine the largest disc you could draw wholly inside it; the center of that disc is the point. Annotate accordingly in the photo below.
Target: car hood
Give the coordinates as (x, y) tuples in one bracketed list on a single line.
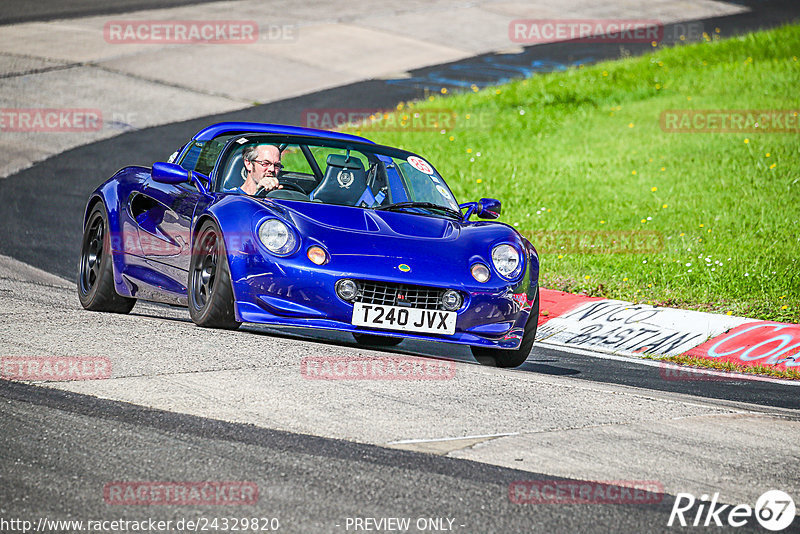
[(385, 243), (320, 217)]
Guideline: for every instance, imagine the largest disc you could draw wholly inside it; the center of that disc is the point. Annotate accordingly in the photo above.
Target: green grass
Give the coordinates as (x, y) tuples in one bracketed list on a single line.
[(705, 363), (582, 150)]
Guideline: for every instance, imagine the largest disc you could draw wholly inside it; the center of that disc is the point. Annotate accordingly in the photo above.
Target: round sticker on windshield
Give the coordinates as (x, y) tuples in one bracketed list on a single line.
[(445, 193), (420, 164)]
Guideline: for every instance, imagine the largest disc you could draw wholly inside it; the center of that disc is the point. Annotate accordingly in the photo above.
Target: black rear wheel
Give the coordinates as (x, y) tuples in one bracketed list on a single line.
[(96, 273), (509, 357), (210, 290)]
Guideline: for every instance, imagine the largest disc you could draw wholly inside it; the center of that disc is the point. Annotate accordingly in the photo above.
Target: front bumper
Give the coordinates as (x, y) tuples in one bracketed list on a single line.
[(291, 292)]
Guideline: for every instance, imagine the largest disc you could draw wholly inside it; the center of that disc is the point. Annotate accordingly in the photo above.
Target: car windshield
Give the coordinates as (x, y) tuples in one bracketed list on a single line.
[(343, 173)]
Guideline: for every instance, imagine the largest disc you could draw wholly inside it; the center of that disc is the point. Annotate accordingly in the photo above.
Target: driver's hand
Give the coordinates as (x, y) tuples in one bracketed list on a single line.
[(269, 183)]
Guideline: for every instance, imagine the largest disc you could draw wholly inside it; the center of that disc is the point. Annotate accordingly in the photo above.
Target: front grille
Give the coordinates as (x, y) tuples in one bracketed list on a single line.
[(388, 294)]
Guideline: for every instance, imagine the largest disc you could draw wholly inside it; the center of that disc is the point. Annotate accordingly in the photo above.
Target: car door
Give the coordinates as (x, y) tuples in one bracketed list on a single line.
[(164, 215)]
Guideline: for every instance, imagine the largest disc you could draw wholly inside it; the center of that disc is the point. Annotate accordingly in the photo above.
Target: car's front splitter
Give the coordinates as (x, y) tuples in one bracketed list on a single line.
[(481, 335)]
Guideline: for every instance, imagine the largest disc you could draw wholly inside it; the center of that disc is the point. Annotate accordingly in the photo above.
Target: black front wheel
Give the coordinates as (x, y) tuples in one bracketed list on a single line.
[(96, 272), (510, 357), (210, 290)]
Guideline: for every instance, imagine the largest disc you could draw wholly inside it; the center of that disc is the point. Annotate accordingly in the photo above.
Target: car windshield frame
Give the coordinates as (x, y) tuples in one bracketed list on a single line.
[(385, 154)]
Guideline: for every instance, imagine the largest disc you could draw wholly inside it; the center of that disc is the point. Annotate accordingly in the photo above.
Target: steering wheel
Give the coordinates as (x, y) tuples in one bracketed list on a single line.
[(292, 186), (284, 186)]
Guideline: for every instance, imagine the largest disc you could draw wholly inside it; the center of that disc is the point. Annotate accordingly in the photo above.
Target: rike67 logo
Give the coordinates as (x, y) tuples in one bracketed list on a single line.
[(774, 510)]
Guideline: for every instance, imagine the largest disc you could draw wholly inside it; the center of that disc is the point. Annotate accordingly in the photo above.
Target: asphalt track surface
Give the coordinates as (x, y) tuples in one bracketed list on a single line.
[(51, 438), (293, 472), (584, 365), (16, 11)]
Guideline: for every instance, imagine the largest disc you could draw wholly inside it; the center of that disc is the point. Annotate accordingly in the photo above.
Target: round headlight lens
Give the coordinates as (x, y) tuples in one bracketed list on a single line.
[(506, 260), (451, 300), (346, 289), (480, 272), (317, 255), (277, 237)]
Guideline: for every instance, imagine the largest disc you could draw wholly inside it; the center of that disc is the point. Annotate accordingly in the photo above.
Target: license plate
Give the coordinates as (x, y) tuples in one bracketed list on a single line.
[(405, 319)]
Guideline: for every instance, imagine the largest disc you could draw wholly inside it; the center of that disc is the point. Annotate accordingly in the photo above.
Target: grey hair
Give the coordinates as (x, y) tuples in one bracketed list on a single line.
[(249, 153)]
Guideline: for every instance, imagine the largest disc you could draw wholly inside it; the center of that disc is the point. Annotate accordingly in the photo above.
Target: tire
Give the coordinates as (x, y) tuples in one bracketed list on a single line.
[(509, 357), (210, 292), (96, 272), (377, 341)]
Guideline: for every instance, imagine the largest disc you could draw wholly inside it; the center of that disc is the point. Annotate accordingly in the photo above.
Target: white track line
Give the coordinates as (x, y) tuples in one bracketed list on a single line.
[(459, 438)]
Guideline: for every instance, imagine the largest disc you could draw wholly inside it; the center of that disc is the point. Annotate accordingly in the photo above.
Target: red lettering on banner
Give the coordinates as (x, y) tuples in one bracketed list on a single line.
[(756, 343)]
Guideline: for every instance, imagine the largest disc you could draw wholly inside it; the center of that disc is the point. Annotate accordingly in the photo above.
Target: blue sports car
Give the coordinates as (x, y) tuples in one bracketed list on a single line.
[(359, 237)]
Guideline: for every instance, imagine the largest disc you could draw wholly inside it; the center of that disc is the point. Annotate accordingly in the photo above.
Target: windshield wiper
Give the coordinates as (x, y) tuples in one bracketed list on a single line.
[(424, 205)]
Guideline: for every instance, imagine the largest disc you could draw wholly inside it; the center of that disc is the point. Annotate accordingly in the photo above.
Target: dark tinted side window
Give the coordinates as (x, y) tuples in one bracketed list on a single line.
[(202, 156), (189, 160)]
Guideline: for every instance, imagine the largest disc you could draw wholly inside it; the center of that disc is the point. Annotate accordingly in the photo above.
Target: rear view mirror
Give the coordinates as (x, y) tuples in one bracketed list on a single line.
[(169, 173), (488, 208)]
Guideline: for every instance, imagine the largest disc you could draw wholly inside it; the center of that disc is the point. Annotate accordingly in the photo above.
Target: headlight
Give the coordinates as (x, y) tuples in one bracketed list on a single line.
[(506, 260), (480, 272), (277, 237)]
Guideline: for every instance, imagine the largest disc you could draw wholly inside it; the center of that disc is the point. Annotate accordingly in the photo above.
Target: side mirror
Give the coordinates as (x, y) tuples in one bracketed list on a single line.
[(169, 173), (488, 208)]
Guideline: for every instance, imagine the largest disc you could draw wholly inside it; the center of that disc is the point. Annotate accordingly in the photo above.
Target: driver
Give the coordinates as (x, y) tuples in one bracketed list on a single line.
[(262, 165)]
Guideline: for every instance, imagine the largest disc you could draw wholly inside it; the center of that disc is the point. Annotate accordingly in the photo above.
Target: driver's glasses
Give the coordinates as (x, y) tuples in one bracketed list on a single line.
[(266, 163)]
